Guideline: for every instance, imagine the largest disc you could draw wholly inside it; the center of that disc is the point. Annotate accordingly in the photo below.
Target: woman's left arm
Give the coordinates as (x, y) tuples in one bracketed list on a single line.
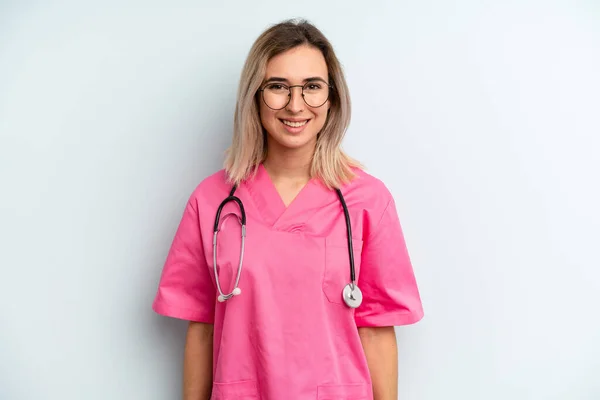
[(380, 346)]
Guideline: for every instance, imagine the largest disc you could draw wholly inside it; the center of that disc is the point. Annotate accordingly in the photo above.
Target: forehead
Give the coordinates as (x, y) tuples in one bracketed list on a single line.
[(298, 63)]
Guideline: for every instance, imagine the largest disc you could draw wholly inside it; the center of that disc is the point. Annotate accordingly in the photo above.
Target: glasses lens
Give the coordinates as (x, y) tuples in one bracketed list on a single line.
[(276, 95), (316, 93)]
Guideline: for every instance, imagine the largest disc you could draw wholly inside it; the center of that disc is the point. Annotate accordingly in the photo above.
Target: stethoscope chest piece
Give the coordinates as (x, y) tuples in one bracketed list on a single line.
[(352, 295)]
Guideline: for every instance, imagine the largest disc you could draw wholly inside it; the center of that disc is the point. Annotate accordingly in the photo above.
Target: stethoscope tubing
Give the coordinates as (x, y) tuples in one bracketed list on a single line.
[(349, 236), (231, 197)]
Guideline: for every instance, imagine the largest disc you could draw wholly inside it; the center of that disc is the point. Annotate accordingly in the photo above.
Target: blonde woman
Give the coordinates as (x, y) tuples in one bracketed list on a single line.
[(290, 263)]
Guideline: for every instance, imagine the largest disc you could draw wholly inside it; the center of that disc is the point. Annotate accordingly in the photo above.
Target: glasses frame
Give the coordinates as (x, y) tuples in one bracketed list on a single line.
[(262, 94)]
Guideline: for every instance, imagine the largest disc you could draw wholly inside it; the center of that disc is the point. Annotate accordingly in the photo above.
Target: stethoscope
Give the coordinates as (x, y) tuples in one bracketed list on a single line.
[(351, 293)]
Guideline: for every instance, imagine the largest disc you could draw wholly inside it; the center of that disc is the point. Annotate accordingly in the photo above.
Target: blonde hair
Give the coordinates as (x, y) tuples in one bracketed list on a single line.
[(248, 149)]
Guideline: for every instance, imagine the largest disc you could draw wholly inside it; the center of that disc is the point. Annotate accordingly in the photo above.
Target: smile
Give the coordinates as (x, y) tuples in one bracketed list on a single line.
[(294, 124)]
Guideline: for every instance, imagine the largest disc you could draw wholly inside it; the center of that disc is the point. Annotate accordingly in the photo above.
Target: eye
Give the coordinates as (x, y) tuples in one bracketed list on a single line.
[(314, 86), (276, 87)]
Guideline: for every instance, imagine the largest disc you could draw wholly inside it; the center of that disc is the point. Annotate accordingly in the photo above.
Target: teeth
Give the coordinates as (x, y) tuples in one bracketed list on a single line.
[(294, 124)]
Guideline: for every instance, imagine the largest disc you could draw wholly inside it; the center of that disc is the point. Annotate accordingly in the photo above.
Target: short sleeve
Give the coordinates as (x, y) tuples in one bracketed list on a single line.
[(387, 281), (186, 290)]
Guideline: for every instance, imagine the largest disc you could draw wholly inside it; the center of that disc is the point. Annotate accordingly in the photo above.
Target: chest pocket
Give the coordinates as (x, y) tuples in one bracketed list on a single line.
[(337, 266)]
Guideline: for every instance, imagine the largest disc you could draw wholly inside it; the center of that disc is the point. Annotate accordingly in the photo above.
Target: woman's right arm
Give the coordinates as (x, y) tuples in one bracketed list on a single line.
[(197, 366)]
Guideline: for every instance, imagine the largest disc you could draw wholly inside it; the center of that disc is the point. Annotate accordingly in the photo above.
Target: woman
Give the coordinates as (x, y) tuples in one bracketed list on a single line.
[(298, 322)]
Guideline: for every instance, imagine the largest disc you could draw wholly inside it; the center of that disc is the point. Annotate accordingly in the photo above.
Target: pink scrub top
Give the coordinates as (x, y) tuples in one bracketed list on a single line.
[(289, 334)]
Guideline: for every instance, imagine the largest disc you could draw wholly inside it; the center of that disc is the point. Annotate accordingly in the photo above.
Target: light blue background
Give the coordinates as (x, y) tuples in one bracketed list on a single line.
[(481, 117)]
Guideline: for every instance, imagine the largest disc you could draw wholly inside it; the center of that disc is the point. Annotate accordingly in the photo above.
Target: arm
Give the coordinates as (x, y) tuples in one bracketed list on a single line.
[(379, 344), (197, 366)]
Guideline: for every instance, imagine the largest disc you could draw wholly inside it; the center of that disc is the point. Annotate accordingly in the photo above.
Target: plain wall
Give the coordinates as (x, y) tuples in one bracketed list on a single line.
[(482, 118)]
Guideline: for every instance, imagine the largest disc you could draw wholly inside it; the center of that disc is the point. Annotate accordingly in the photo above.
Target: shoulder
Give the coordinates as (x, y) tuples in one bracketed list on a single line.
[(367, 194), (369, 189), (365, 180), (372, 199), (214, 186)]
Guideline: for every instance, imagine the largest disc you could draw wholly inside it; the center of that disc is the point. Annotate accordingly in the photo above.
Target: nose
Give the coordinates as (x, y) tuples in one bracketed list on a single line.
[(296, 103)]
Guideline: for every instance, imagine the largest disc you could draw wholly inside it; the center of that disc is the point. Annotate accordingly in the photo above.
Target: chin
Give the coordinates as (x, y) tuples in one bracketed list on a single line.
[(295, 137), (293, 143)]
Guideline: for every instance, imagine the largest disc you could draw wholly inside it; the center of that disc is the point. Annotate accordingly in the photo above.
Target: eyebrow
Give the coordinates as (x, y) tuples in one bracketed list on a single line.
[(278, 79)]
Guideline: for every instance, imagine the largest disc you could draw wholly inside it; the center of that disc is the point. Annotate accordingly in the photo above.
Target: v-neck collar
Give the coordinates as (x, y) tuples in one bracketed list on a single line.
[(272, 208)]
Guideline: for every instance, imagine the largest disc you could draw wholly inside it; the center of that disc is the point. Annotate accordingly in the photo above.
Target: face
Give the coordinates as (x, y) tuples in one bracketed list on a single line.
[(296, 125)]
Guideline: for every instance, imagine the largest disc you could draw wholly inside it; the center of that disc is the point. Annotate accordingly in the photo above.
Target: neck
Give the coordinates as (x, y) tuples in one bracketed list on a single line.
[(289, 164)]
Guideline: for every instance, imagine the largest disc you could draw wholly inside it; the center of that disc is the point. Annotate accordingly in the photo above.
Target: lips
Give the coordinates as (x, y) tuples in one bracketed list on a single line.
[(295, 127), (294, 124)]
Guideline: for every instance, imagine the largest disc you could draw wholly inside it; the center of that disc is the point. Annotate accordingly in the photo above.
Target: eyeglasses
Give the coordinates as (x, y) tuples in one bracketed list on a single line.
[(277, 95)]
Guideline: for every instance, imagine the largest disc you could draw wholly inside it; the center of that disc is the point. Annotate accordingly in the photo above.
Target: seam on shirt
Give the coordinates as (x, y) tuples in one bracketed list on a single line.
[(166, 309), (376, 227), (391, 319)]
